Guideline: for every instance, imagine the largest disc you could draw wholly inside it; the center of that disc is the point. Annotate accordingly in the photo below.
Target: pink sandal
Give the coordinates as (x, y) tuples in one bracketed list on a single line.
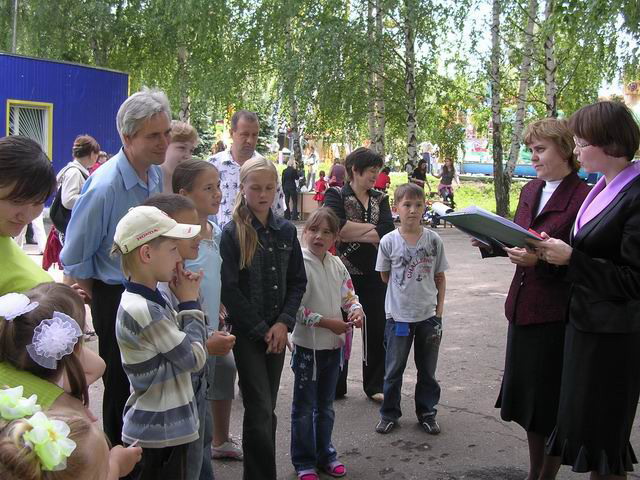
[(309, 474), (336, 469)]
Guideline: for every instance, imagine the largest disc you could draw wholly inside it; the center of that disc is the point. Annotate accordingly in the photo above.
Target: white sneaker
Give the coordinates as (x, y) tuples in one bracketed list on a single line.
[(228, 449)]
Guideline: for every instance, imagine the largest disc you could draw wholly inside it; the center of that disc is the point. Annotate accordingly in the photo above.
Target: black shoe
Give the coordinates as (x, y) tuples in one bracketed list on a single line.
[(385, 426), (430, 425)]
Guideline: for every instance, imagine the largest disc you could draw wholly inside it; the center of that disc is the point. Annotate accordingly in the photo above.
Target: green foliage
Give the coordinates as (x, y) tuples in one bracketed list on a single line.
[(309, 59)]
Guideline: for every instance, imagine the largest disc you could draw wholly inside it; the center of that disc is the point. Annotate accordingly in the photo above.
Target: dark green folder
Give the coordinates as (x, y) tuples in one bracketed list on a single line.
[(484, 225)]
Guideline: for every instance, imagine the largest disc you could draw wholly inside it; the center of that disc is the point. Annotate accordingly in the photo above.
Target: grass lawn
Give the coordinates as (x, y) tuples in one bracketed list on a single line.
[(480, 194)]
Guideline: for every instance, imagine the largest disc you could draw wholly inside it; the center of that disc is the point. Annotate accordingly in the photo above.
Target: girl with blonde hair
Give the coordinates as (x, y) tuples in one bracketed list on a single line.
[(263, 281)]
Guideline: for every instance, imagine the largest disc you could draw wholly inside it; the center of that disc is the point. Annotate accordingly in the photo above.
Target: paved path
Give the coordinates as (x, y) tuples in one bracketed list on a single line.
[(475, 443)]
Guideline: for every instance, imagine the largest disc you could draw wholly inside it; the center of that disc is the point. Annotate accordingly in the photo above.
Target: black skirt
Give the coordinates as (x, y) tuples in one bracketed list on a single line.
[(530, 388), (598, 399)]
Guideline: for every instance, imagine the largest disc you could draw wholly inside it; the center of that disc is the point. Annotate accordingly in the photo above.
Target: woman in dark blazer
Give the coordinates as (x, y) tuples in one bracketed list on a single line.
[(536, 303), (365, 217), (601, 371)]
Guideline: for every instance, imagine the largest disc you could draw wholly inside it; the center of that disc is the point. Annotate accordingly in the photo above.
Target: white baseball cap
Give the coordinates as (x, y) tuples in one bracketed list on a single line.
[(142, 224)]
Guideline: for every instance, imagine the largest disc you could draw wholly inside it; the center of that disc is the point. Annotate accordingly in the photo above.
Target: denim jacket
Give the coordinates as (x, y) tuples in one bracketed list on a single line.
[(271, 288)]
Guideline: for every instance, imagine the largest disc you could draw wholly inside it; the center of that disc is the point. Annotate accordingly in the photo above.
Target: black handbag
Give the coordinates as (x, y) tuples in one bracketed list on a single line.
[(59, 214)]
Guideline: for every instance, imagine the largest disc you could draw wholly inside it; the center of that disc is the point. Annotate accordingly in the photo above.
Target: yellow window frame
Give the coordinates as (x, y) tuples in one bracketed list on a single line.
[(48, 107)]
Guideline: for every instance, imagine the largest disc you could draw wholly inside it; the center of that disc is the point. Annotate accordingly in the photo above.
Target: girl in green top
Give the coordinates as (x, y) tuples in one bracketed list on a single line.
[(41, 349), (27, 179)]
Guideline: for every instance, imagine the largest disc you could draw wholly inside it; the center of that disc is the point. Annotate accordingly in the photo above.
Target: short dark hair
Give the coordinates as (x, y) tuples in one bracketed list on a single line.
[(361, 159), (410, 190), (246, 114), (169, 203), (386, 170), (24, 165), (608, 125), (185, 174)]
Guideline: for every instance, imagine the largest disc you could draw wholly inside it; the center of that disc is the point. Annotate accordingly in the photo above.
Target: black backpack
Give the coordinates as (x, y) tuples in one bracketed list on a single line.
[(59, 214)]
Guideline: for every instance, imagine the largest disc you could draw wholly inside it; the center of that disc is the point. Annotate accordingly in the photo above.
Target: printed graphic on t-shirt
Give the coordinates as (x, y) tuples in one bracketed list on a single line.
[(416, 263)]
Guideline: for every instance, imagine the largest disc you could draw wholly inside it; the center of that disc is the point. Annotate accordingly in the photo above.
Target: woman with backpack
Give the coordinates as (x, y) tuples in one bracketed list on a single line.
[(70, 180)]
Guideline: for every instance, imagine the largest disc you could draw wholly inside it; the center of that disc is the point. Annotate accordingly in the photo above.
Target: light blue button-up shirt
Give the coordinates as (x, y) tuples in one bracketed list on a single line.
[(106, 197)]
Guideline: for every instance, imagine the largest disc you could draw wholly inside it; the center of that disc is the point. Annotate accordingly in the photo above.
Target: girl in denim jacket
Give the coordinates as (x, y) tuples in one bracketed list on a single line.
[(263, 280)]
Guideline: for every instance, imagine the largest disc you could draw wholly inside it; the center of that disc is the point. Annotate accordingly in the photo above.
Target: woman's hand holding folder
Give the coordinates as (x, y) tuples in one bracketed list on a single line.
[(552, 250)]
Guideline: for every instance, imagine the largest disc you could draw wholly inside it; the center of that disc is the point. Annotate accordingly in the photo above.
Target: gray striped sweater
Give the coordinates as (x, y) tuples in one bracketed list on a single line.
[(159, 350)]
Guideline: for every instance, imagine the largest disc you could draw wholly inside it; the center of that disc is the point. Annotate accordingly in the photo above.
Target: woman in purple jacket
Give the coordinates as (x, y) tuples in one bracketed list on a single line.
[(536, 303)]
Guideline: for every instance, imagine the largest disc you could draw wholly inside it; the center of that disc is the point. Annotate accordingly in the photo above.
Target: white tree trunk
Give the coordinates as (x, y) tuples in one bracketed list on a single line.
[(501, 187), (183, 80), (550, 85), (409, 79), (521, 101), (371, 79), (293, 101), (379, 80)]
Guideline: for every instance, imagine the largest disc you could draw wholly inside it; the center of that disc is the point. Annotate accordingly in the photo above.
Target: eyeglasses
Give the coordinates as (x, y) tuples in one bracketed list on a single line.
[(580, 144)]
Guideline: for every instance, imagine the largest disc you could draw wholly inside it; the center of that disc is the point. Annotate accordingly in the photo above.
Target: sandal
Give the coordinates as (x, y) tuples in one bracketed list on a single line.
[(336, 469), (308, 474)]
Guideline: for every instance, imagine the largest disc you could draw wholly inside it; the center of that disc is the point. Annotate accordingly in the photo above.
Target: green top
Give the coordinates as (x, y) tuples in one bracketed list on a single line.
[(46, 391), (18, 272)]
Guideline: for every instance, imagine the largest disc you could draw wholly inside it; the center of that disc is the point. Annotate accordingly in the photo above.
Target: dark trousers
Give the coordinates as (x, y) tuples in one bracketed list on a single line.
[(105, 301), (158, 463), (425, 337), (291, 196), (259, 376), (371, 291)]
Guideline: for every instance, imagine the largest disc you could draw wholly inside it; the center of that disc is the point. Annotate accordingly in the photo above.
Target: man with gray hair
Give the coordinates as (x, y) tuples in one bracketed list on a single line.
[(131, 176), (245, 128)]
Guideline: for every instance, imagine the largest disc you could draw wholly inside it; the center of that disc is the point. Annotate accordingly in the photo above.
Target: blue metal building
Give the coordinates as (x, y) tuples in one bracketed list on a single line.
[(53, 102)]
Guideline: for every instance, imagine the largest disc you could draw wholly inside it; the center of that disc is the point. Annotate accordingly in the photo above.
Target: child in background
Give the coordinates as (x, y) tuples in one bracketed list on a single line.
[(411, 261), (447, 176), (183, 141), (182, 210), (320, 187), (40, 344), (263, 281), (319, 340), (383, 182), (200, 182), (159, 348)]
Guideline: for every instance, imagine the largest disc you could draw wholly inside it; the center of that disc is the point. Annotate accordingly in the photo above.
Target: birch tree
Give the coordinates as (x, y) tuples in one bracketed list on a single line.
[(501, 186), (550, 85), (409, 18)]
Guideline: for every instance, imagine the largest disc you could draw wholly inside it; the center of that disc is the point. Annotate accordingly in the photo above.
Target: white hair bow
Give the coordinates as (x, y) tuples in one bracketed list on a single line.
[(12, 305), (53, 339)]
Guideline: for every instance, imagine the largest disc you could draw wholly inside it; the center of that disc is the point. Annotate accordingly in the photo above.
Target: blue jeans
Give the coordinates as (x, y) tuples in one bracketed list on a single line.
[(312, 414), (199, 451), (425, 336)]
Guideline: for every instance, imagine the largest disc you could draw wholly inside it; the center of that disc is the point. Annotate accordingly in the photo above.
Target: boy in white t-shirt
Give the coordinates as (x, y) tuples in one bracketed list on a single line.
[(411, 261)]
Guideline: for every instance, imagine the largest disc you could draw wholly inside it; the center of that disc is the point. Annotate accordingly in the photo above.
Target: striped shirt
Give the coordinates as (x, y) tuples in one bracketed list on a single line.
[(159, 350)]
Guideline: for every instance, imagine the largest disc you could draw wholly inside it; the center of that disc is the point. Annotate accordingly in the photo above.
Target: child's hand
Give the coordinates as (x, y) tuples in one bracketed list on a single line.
[(185, 284), (336, 325), (220, 343), (276, 338), (122, 460), (357, 317)]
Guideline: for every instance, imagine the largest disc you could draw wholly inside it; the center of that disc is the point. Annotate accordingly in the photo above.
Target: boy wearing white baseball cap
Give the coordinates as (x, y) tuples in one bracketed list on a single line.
[(159, 347)]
